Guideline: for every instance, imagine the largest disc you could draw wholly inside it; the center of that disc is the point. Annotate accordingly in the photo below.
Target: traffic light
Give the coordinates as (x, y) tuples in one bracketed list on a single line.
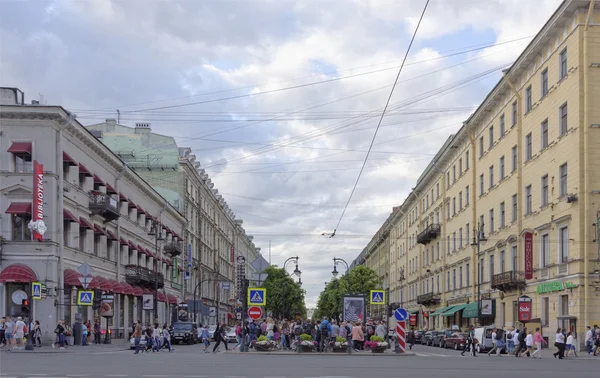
[(25, 306), (97, 299)]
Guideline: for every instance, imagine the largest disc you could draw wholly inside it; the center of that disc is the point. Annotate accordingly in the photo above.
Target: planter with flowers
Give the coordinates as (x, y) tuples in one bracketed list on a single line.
[(264, 345), (306, 343), (377, 344), (340, 345)]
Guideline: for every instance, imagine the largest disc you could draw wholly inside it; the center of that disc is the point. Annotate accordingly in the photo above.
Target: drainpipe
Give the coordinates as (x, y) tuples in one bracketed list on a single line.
[(58, 219), (118, 251)]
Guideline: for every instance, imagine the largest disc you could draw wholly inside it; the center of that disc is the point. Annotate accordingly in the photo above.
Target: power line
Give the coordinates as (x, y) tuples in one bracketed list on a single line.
[(381, 119)]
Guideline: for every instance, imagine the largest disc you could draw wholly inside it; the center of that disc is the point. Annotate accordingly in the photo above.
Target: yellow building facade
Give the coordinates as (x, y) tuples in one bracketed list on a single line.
[(525, 171)]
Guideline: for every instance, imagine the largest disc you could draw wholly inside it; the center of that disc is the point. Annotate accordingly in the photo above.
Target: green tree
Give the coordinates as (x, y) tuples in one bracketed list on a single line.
[(285, 298), (360, 280)]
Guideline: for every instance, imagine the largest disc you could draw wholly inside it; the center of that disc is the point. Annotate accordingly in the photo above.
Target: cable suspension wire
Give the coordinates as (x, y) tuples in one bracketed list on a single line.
[(381, 119)]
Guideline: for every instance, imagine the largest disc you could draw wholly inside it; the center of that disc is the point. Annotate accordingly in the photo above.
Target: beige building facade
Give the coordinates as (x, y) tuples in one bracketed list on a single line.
[(525, 171)]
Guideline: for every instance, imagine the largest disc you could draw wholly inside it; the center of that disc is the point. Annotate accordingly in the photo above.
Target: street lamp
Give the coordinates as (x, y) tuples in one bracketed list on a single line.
[(157, 237), (336, 261), (478, 237), (297, 273)]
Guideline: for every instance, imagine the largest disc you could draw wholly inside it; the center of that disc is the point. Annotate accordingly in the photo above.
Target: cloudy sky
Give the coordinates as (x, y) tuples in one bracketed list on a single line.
[(278, 99)]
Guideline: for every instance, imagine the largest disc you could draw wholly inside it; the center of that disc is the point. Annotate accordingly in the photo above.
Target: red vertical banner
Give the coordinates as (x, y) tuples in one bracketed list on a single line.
[(232, 254), (528, 256), (38, 197)]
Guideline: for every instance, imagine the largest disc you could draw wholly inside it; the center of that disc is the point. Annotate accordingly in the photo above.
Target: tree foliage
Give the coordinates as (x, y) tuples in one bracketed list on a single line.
[(285, 298), (360, 280)]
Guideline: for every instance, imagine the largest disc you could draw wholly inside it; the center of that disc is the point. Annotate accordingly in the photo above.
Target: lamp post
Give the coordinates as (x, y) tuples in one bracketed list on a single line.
[(336, 261), (156, 231), (297, 273), (478, 237)]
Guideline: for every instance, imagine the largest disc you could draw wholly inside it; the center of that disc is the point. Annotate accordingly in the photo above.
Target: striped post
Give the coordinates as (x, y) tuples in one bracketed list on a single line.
[(401, 336)]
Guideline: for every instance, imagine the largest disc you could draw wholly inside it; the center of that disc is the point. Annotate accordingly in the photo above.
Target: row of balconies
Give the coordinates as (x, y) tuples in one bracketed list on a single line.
[(145, 277)]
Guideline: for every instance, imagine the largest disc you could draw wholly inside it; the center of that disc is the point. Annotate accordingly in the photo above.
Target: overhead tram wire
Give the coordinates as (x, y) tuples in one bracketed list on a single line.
[(381, 119), (469, 49)]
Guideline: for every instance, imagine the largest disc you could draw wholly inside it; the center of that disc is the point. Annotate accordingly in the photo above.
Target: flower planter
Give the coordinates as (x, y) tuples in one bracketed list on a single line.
[(378, 350), (263, 348), (307, 348), (340, 350)]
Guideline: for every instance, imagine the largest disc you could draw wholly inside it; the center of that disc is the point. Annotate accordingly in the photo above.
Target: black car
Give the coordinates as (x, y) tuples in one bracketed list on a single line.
[(184, 332), (427, 338)]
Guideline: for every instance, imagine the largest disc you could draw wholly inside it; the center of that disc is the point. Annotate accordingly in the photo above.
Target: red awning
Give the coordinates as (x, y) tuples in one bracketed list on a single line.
[(131, 245), (84, 223), (168, 230), (99, 231), (110, 189), (69, 217), (101, 283), (126, 288), (19, 208), (98, 181), (20, 148), (71, 278), (139, 210), (116, 286), (137, 291), (123, 242), (141, 249), (147, 291), (84, 171), (131, 205), (111, 236), (172, 299), (95, 283), (161, 297), (17, 273), (122, 198), (68, 159)]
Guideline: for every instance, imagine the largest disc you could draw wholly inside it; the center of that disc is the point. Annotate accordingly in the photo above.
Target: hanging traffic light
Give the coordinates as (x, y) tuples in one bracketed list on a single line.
[(25, 306)]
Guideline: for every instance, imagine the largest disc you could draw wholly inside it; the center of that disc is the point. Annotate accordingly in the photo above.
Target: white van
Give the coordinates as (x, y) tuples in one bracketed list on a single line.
[(484, 336)]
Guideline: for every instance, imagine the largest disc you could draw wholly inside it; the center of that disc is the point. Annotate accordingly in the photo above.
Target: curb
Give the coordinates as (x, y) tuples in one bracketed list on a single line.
[(407, 354)]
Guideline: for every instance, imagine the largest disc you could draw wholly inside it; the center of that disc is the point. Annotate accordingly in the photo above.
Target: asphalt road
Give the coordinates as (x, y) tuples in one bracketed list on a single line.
[(190, 362)]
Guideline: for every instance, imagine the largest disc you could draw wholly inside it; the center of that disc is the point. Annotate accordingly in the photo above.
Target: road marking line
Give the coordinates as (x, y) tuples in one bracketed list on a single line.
[(154, 375), (116, 375)]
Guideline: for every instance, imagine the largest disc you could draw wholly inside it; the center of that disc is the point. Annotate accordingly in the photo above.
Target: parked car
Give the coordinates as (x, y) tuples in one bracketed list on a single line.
[(230, 336), (418, 336), (457, 340), (142, 342), (184, 332), (427, 338), (440, 339)]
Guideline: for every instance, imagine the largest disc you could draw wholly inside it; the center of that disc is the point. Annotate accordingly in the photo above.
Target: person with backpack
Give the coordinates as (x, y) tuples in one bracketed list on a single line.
[(325, 331), (510, 343), (522, 346)]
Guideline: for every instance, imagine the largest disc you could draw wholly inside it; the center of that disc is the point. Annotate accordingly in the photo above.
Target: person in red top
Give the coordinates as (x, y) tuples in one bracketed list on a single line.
[(238, 334)]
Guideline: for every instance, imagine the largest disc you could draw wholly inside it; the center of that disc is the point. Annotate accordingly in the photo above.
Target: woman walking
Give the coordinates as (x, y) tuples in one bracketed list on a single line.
[(37, 334), (538, 340), (137, 336), (238, 335), (559, 342), (218, 336), (166, 338), (358, 337), (571, 344)]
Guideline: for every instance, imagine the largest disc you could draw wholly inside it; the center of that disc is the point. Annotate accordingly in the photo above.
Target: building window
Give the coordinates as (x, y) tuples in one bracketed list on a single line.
[(502, 127), (514, 158), (481, 146), (545, 251), (20, 227), (492, 270), (460, 201), (448, 279), (437, 247), (545, 311), (82, 239), (491, 177), (528, 147), (453, 206), (491, 221), (97, 244), (562, 115), (563, 245), (514, 208), (563, 64), (544, 134), (545, 190), (23, 162), (460, 167), (502, 215), (454, 241), (544, 83), (448, 212), (502, 174), (453, 279), (513, 256), (454, 173), (528, 99), (481, 185), (481, 267), (502, 262), (447, 179), (563, 180), (467, 195), (448, 245), (467, 233), (491, 132), (468, 275), (460, 277), (460, 238), (528, 199), (514, 114), (466, 160)]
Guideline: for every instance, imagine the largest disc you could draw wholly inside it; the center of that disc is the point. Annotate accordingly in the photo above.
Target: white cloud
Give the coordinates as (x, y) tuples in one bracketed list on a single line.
[(104, 54)]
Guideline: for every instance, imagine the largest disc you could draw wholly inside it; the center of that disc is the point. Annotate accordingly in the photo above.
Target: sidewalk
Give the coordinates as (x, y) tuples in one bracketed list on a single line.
[(118, 345), (388, 353)]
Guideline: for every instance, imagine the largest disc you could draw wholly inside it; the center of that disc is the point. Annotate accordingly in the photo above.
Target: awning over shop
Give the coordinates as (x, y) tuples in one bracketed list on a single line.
[(127, 288), (71, 277), (98, 181), (413, 310), (69, 217), (440, 311), (68, 159), (111, 236), (19, 208), (84, 171), (110, 189), (116, 286), (454, 310), (98, 230), (160, 296), (84, 223), (172, 299), (17, 273), (470, 311), (137, 291)]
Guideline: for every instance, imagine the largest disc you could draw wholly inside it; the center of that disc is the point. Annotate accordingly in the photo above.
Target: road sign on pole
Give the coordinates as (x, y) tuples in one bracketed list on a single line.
[(401, 314), (377, 297), (255, 313), (241, 260), (85, 269), (401, 336), (257, 296), (85, 281)]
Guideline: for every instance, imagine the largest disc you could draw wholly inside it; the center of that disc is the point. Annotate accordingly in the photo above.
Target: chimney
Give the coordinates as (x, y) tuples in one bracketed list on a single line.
[(11, 96), (142, 128), (111, 124)]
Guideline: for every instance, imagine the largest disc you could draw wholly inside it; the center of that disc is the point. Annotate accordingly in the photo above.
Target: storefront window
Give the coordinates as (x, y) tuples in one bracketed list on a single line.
[(16, 292)]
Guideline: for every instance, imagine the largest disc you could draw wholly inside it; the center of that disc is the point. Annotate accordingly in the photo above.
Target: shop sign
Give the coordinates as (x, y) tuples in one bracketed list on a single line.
[(107, 306), (37, 225), (524, 307), (487, 307), (528, 256), (550, 287), (413, 319)]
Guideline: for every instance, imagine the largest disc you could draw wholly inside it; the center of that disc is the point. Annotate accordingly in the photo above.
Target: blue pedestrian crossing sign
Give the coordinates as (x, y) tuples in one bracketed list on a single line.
[(377, 297), (257, 296), (401, 314), (36, 290), (85, 298)]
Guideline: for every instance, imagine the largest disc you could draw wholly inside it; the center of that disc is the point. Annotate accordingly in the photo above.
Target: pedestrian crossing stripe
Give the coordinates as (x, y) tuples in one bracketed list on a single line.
[(85, 298), (257, 296), (377, 296)]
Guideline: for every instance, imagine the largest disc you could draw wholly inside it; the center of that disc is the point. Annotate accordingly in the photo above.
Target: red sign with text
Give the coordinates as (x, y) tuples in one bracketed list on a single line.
[(232, 254), (528, 256), (413, 319), (38, 197), (524, 309)]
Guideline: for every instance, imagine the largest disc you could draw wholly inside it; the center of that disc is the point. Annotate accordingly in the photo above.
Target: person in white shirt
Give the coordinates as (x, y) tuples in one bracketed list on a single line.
[(528, 344), (559, 342), (19, 333), (494, 342), (589, 343), (571, 344)]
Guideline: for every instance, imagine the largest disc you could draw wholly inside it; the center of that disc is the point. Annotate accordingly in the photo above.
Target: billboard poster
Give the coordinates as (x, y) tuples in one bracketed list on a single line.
[(148, 301), (524, 307), (354, 308), (182, 312), (528, 256), (107, 306)]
